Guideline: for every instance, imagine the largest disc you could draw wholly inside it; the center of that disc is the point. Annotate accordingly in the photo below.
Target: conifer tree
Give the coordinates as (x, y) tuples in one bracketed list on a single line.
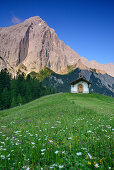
[(5, 99), (5, 79), (13, 102), (19, 90), (19, 100)]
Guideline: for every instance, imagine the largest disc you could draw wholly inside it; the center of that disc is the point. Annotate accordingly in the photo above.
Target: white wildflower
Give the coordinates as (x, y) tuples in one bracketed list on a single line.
[(97, 165), (28, 168), (61, 166), (50, 141), (79, 153), (54, 165), (43, 150), (4, 149), (33, 143), (58, 121), (84, 148), (17, 132), (56, 152), (2, 143), (8, 155), (52, 127), (89, 131), (3, 156), (89, 156)]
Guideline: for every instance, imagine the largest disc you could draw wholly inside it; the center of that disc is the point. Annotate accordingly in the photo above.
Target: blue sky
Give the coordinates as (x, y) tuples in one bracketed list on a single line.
[(87, 26)]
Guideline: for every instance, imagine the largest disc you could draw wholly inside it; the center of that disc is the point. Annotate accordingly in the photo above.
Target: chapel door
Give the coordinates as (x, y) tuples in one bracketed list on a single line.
[(80, 88)]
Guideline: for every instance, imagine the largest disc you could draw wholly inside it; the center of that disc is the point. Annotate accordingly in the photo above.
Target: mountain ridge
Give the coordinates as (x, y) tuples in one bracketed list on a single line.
[(35, 46)]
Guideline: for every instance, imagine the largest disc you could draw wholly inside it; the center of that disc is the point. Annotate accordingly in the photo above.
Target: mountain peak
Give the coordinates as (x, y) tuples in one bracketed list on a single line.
[(34, 45), (35, 19)]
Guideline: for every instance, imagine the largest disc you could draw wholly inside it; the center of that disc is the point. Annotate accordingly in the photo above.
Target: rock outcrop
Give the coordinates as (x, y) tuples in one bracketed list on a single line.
[(32, 45)]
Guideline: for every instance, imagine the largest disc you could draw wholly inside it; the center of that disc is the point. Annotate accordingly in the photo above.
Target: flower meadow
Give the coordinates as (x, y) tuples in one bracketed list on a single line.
[(55, 132)]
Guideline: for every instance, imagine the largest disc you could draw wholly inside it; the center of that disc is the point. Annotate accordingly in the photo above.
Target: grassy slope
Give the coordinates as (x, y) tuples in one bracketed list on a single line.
[(37, 122), (96, 102)]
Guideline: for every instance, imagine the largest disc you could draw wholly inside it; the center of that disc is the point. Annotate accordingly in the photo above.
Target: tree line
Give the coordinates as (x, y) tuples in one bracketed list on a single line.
[(20, 89)]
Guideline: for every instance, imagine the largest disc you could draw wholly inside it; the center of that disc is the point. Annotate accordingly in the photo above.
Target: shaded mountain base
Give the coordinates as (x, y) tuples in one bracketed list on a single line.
[(101, 83)]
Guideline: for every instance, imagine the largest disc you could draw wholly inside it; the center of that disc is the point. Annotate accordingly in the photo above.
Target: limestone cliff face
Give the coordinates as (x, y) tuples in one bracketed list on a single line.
[(32, 45)]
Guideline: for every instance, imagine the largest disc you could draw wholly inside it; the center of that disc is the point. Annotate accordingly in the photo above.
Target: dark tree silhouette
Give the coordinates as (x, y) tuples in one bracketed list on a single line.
[(19, 90)]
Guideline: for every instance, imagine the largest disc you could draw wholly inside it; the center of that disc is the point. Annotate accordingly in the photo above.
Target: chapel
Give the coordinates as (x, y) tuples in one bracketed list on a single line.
[(80, 85)]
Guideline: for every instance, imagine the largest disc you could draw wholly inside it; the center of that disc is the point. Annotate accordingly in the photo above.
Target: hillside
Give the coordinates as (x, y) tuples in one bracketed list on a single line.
[(58, 131)]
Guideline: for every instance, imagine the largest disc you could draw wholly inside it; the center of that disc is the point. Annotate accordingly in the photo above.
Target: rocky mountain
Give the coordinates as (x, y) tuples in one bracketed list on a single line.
[(32, 45), (101, 83)]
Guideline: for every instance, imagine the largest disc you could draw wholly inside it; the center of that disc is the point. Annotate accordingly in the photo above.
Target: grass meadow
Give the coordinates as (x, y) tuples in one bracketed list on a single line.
[(60, 131)]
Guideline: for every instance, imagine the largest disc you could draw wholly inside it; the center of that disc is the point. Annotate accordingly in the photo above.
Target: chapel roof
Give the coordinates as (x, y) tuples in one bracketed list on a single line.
[(78, 80)]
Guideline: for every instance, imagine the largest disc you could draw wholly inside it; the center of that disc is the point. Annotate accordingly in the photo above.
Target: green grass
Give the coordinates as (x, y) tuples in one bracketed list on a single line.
[(75, 131)]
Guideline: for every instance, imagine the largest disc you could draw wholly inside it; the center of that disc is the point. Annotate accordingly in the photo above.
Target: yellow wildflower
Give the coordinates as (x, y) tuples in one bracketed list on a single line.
[(89, 163)]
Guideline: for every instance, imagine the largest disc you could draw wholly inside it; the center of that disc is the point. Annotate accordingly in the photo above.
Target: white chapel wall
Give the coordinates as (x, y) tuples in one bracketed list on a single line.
[(74, 88)]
